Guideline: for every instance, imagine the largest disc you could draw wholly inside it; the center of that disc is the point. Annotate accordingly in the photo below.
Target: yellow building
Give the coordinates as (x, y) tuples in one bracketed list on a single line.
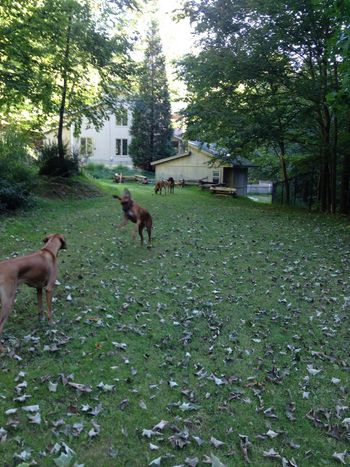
[(199, 163)]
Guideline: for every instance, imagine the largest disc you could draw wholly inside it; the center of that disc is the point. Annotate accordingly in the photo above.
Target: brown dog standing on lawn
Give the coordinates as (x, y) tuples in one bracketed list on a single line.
[(38, 270), (171, 185), (160, 186), (135, 213)]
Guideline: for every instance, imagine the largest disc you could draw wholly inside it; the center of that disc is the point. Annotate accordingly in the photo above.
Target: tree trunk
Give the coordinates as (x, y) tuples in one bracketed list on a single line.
[(64, 92), (345, 178), (334, 148), (325, 186), (333, 169), (284, 170)]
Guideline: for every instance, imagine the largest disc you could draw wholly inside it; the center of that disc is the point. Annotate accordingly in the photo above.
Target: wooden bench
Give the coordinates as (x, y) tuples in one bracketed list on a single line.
[(221, 190), (120, 178)]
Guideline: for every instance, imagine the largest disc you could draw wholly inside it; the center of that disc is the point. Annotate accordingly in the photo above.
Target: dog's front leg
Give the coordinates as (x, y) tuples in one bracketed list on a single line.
[(39, 292), (136, 229), (49, 293), (125, 221)]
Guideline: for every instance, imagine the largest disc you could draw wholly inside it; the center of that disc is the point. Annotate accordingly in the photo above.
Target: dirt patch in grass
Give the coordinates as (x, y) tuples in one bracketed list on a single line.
[(62, 188)]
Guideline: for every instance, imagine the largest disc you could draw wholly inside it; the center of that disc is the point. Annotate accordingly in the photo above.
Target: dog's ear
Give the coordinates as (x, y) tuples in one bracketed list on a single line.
[(47, 238), (117, 197), (63, 242), (127, 193)]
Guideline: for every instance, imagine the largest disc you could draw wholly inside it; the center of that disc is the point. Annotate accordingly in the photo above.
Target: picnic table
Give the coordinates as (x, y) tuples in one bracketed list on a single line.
[(223, 190)]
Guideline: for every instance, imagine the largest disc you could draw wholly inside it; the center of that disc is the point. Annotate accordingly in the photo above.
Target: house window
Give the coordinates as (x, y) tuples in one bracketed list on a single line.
[(86, 147), (121, 118), (216, 177), (121, 147)]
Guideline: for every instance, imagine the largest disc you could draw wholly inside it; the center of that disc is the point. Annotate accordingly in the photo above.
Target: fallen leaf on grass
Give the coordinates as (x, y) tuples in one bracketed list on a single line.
[(346, 422), (142, 405), (214, 461), (123, 404), (161, 425), (35, 419), (156, 461), (185, 406), (340, 457), (179, 440), (120, 345), (217, 381), (64, 460), (153, 447), (312, 371), (270, 413), (106, 387), (245, 444), (289, 411), (31, 408), (112, 452), (95, 430), (192, 462), (22, 398), (271, 434), (25, 455), (148, 433), (66, 457), (21, 386), (53, 386), (3, 435), (80, 387), (198, 440), (215, 442), (271, 454), (21, 374), (92, 411), (288, 463), (172, 384), (335, 380)]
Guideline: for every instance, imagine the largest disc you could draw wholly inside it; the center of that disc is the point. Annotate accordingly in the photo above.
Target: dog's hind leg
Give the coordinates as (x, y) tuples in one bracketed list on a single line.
[(141, 227), (7, 295), (149, 231)]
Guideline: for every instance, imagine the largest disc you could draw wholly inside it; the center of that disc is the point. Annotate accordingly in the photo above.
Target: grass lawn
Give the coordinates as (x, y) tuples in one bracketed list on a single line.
[(261, 198), (228, 341)]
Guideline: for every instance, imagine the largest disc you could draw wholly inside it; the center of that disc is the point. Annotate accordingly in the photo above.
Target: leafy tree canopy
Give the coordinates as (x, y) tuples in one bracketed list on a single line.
[(60, 57)]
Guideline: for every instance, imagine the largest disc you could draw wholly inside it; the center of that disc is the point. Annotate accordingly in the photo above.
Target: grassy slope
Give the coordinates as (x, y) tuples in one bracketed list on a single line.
[(242, 291)]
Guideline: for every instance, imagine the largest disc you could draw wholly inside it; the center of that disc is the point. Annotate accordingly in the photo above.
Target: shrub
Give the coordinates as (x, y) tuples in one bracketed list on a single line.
[(51, 165), (17, 174), (12, 195), (99, 170)]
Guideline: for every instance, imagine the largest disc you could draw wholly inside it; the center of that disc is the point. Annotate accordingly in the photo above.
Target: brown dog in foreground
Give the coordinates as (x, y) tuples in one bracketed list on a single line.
[(37, 270), (135, 213)]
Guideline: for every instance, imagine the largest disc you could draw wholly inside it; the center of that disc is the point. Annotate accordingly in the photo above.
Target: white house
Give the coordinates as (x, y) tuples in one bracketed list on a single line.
[(109, 145)]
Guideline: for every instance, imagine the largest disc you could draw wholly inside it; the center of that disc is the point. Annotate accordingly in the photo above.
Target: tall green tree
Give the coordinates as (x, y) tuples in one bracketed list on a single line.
[(61, 57), (281, 56), (151, 128), (339, 99)]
